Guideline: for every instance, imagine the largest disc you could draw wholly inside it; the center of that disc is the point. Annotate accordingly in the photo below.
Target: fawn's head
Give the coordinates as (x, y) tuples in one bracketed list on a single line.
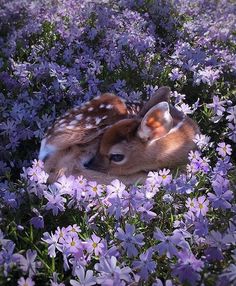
[(160, 136)]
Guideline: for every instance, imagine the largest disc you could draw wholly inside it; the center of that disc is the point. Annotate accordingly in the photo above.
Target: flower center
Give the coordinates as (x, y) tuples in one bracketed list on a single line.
[(94, 244)]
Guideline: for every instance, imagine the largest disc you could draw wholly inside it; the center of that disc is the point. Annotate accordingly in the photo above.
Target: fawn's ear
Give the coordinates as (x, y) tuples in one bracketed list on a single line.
[(156, 123), (124, 129), (162, 94)]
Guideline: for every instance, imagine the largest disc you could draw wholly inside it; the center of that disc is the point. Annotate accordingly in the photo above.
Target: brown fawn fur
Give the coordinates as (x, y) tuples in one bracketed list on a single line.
[(161, 138), (154, 137)]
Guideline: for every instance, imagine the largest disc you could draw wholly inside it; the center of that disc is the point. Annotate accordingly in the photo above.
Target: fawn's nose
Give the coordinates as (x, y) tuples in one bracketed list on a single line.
[(89, 163)]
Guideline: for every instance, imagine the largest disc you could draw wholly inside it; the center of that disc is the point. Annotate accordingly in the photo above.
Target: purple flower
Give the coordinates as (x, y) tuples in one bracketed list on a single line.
[(188, 267), (95, 245), (116, 188), (168, 243), (230, 273), (207, 76), (37, 221), (25, 282), (55, 202), (165, 177), (232, 132), (71, 244), (52, 240), (222, 194), (176, 74), (85, 278), (7, 256), (218, 108), (202, 141), (146, 265), (224, 149), (54, 281), (114, 206), (232, 114), (130, 240), (94, 189), (110, 273), (146, 213), (65, 185), (201, 206), (28, 264)]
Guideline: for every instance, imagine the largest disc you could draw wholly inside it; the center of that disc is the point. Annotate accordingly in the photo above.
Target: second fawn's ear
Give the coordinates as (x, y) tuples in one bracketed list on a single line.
[(156, 123)]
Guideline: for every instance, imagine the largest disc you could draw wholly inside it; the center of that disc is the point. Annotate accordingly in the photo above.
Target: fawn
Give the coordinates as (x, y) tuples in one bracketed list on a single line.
[(108, 138), (159, 136)]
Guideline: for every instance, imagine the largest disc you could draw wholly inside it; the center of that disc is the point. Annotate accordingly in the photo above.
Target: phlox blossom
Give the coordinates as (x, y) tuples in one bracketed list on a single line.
[(25, 282)]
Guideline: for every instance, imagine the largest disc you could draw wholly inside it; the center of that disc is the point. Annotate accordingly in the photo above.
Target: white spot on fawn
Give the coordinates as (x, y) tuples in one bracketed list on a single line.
[(79, 116), (98, 120), (73, 123), (90, 108), (89, 126), (109, 106)]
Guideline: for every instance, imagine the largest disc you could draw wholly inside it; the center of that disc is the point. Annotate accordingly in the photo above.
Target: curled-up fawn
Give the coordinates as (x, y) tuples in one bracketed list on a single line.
[(108, 138)]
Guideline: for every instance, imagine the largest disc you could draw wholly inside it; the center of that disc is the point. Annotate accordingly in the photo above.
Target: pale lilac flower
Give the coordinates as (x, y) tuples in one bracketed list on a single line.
[(145, 265), (54, 281), (52, 240), (94, 189), (167, 198), (185, 108), (176, 74), (165, 177), (25, 282), (38, 164), (116, 188), (34, 173), (85, 278), (232, 114), (55, 202), (201, 206), (95, 245), (232, 132), (191, 204), (129, 239), (61, 233), (71, 244), (65, 185), (73, 230), (28, 263), (110, 273), (224, 149), (158, 282), (202, 141), (207, 76), (218, 108)]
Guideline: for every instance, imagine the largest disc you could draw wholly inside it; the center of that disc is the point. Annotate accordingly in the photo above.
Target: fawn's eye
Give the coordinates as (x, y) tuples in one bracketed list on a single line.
[(117, 157)]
